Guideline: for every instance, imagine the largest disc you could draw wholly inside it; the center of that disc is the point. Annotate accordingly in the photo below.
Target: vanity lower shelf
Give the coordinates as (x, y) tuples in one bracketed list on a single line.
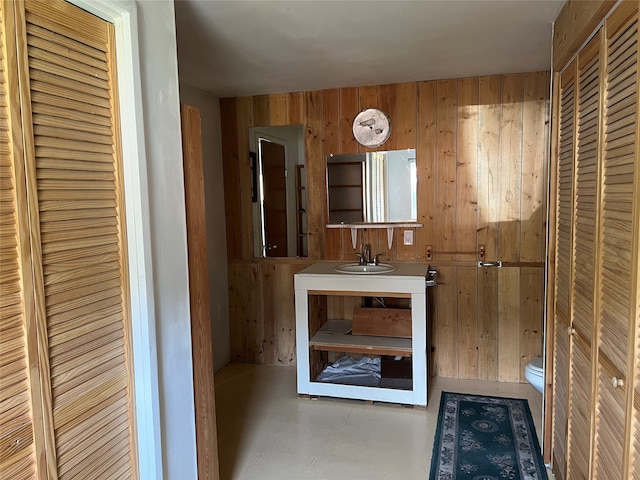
[(365, 344)]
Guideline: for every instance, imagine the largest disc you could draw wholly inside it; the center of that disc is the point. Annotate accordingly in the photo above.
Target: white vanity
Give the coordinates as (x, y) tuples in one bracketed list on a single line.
[(406, 280)]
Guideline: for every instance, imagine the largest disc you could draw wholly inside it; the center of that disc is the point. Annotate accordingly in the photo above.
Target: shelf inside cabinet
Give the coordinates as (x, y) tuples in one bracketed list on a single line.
[(364, 344)]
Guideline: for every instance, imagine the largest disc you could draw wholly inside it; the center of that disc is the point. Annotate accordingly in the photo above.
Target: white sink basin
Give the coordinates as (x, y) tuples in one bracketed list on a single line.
[(357, 269)]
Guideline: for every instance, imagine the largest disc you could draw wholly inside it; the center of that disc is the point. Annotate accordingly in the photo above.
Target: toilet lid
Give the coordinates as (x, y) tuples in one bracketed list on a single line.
[(536, 364)]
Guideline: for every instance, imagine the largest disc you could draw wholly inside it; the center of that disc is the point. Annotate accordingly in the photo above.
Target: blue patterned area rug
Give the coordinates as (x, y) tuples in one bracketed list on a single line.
[(485, 438)]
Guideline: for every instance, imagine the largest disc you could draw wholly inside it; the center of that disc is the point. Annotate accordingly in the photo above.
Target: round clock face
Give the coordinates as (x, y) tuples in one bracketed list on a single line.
[(371, 128)]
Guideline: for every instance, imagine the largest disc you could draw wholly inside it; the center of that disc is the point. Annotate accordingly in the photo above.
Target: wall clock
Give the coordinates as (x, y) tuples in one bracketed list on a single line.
[(371, 128)]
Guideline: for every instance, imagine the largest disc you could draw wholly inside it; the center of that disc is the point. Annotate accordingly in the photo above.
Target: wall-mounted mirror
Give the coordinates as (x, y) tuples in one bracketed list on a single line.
[(372, 187), (278, 191)]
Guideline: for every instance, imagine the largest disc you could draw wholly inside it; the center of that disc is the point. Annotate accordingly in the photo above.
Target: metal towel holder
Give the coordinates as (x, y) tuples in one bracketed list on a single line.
[(482, 264)]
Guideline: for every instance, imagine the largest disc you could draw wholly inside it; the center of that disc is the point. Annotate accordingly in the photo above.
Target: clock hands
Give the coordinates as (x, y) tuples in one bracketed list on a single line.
[(370, 123)]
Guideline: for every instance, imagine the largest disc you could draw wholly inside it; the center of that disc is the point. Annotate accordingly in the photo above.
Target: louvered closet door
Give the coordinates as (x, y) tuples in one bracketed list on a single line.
[(584, 261), (633, 377), (564, 238), (18, 434), (617, 308), (78, 243)]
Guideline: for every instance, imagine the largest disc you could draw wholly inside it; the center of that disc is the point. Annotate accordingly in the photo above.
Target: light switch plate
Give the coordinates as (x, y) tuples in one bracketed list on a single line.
[(408, 237)]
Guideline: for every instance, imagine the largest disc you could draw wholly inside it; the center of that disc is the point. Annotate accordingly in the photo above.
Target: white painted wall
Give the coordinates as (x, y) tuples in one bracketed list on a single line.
[(161, 105), (209, 107)]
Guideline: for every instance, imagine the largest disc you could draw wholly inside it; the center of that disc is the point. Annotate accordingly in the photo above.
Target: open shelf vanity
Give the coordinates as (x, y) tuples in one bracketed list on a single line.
[(315, 334)]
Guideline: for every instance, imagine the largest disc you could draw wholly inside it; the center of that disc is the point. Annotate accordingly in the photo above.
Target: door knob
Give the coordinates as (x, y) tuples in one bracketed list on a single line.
[(571, 330), (617, 382)]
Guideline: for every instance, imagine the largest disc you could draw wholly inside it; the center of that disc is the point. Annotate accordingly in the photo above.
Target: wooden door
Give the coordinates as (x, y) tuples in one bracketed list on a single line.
[(275, 197), (564, 239), (73, 242), (201, 334), (584, 281), (618, 299), (596, 422)]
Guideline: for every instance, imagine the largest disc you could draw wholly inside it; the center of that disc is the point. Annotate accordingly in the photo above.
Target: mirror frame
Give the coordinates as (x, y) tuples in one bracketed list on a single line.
[(361, 179), (297, 242)]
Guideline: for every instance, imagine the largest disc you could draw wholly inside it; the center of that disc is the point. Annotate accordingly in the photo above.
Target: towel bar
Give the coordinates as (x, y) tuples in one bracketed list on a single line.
[(482, 264)]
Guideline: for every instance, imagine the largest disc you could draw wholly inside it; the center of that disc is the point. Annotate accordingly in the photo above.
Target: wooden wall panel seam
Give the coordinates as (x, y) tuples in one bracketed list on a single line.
[(446, 328)]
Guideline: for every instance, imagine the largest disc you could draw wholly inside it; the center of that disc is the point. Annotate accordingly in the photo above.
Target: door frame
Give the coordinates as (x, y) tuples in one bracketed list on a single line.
[(254, 139), (123, 15), (285, 145)]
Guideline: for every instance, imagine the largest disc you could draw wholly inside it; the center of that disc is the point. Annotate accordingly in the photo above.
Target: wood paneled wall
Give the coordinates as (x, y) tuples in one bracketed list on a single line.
[(482, 171), (261, 310)]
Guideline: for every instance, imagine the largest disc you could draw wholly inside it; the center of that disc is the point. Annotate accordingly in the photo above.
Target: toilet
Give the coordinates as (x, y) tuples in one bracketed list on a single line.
[(534, 373)]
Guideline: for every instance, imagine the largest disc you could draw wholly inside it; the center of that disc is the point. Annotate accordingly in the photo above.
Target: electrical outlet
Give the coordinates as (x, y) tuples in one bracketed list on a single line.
[(408, 237)]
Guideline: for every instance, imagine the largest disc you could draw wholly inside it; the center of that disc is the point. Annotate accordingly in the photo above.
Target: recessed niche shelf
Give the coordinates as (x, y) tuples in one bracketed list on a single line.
[(389, 226)]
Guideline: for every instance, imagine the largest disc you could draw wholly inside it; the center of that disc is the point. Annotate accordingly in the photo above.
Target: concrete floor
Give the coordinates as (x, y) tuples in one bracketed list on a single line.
[(266, 432)]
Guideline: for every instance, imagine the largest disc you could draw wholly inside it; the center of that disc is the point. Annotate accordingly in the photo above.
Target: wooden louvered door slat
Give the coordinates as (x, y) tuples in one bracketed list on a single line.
[(564, 238), (586, 197), (21, 432), (78, 244), (616, 304)]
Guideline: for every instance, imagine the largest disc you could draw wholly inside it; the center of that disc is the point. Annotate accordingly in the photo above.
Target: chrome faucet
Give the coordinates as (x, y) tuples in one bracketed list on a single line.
[(365, 256)]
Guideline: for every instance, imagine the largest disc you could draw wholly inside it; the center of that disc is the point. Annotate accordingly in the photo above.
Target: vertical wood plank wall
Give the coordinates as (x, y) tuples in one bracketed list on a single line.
[(482, 176)]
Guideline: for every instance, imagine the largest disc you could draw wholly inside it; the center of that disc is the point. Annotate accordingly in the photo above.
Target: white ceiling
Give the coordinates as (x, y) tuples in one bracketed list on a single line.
[(238, 48)]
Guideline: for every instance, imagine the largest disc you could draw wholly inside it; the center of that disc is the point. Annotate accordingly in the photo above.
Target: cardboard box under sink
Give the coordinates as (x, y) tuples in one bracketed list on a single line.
[(382, 322)]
